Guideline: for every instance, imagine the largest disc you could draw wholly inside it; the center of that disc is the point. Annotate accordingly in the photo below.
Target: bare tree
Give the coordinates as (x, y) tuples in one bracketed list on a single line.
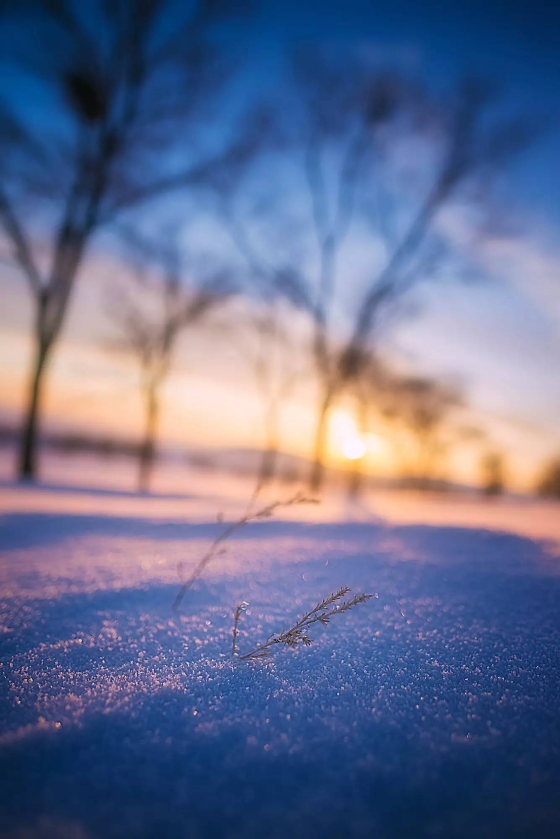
[(275, 376), (124, 81), (421, 415), (151, 318), (422, 409), (362, 396), (266, 340), (358, 124), (548, 484), (493, 473)]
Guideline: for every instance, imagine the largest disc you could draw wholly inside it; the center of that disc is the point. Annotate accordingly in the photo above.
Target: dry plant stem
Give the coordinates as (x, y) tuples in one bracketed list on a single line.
[(321, 613), (236, 616), (248, 516)]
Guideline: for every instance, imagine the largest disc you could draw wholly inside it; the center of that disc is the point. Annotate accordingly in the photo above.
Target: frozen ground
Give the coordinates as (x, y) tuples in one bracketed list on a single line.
[(430, 711)]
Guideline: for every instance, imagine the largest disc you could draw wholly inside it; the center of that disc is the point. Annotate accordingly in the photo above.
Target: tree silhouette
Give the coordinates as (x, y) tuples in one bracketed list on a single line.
[(355, 127), (151, 316), (126, 82), (493, 473), (549, 482)]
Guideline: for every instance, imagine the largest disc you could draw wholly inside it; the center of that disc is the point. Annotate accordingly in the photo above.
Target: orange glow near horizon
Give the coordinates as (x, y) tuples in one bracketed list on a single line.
[(90, 390)]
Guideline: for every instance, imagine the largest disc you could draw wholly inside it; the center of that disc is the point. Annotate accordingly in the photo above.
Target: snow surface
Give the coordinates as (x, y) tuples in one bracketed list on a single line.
[(430, 711)]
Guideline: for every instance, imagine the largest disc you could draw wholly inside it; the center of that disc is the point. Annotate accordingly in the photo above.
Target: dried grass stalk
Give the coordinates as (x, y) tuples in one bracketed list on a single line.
[(249, 516), (297, 634), (236, 615)]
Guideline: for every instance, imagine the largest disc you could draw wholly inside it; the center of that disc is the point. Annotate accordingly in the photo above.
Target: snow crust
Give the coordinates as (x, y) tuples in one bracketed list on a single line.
[(430, 711)]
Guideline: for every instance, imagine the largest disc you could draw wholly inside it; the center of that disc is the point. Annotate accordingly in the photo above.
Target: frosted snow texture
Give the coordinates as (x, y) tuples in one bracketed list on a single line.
[(430, 711)]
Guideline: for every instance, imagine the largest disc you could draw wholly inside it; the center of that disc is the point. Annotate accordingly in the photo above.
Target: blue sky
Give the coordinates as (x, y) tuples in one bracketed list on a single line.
[(514, 43)]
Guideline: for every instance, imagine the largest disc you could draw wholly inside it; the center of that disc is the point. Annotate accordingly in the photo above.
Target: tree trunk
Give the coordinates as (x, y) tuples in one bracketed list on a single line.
[(318, 467), (52, 304), (148, 447), (356, 479), (267, 467), (426, 464), (29, 434), (357, 473)]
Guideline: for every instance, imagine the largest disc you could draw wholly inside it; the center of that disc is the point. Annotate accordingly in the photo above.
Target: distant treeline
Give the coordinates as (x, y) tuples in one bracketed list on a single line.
[(72, 442), (235, 461)]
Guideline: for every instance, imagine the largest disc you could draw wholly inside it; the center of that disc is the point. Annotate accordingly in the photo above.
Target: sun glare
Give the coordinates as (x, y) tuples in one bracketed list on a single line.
[(353, 448), (346, 440)]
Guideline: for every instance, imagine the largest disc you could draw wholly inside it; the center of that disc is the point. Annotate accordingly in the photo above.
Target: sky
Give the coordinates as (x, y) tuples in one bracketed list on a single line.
[(498, 336)]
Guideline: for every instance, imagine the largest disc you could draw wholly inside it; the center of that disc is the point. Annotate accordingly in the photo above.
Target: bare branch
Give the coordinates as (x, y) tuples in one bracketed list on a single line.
[(22, 249), (249, 516), (202, 172), (297, 634)]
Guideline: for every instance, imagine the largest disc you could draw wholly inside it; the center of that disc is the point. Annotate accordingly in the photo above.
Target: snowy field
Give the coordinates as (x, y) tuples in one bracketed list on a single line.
[(429, 711)]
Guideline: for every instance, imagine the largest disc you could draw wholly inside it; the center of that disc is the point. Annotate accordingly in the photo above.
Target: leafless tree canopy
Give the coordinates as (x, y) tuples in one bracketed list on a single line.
[(376, 154)]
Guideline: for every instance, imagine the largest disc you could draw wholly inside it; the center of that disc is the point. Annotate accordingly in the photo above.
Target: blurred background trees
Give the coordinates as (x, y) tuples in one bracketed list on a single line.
[(152, 314), (347, 161), (128, 88), (493, 474), (549, 482), (270, 345), (421, 408), (336, 193)]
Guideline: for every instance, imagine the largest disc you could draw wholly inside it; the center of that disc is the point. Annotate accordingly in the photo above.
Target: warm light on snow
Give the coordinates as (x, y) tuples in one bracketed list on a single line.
[(106, 680)]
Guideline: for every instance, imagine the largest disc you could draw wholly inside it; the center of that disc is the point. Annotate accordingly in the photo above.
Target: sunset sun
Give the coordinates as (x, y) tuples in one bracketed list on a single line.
[(347, 441), (353, 447)]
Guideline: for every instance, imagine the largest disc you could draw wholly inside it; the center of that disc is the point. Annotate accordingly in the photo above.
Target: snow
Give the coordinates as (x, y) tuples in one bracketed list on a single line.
[(429, 711)]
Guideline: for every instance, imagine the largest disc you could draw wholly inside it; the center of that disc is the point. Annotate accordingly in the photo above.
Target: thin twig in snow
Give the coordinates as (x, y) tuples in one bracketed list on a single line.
[(236, 615), (248, 516), (297, 634)]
